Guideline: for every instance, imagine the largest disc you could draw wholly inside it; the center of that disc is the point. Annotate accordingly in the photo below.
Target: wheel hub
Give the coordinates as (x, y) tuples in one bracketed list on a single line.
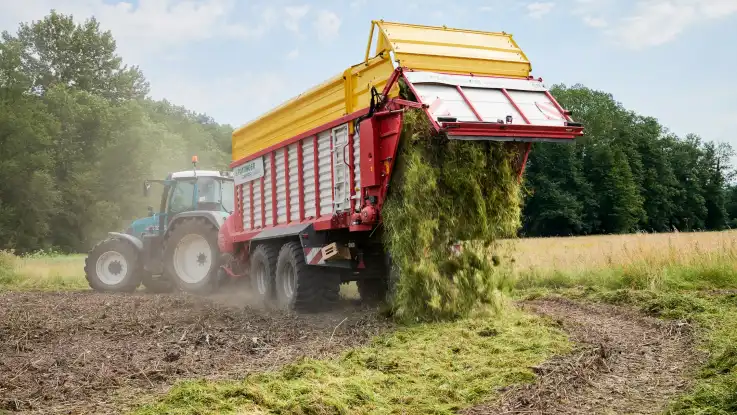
[(192, 259), (111, 267)]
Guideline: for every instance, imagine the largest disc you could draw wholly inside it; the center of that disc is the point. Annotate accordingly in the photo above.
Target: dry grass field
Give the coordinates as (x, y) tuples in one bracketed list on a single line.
[(578, 254)]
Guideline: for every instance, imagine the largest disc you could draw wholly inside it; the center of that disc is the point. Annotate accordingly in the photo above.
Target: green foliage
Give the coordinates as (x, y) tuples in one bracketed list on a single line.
[(628, 172), (446, 191), (78, 137), (8, 275), (435, 368)]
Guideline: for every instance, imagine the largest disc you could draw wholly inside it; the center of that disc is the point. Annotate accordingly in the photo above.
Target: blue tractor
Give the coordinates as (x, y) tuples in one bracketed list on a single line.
[(176, 247)]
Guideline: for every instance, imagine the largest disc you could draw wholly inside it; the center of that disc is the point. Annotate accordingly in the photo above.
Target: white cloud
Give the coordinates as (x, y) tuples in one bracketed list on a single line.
[(596, 22), (652, 22), (293, 54), (357, 4), (151, 27), (538, 10), (294, 15), (327, 25)]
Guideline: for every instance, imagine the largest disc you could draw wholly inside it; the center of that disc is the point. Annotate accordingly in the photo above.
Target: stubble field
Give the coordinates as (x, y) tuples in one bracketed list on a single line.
[(603, 324)]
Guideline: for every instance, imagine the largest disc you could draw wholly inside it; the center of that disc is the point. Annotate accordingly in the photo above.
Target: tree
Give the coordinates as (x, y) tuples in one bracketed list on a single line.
[(78, 135), (56, 51)]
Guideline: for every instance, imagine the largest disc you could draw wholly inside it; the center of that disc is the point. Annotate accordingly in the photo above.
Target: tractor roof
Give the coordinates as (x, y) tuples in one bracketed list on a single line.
[(200, 173)]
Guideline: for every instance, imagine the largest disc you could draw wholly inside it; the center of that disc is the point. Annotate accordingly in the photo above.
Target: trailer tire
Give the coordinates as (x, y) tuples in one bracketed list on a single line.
[(392, 278), (263, 273), (193, 243), (107, 261), (302, 287), (373, 291)]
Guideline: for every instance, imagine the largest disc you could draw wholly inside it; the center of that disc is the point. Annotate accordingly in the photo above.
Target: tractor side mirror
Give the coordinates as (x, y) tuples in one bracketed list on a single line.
[(150, 211), (146, 187)]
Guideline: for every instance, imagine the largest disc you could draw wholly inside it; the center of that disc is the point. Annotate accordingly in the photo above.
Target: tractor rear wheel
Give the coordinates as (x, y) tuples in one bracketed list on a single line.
[(191, 255), (112, 266), (302, 287)]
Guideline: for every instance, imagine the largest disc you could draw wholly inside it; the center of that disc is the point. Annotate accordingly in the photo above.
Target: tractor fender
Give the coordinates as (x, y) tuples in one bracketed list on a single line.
[(215, 218), (137, 243)]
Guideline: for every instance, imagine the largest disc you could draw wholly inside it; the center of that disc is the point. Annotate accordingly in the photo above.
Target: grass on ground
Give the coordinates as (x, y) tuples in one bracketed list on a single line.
[(422, 369), (42, 272), (689, 277)]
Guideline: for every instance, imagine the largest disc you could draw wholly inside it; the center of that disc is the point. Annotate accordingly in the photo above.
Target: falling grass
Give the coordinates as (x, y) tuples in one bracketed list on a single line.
[(429, 368), (445, 191)]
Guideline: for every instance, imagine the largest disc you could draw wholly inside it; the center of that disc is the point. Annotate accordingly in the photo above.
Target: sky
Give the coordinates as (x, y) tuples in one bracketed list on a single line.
[(234, 60)]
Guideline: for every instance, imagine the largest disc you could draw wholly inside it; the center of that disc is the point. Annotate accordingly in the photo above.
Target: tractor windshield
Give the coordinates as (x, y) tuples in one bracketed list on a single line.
[(215, 194)]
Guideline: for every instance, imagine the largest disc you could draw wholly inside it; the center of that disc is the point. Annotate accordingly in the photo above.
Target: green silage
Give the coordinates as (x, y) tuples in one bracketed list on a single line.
[(444, 191)]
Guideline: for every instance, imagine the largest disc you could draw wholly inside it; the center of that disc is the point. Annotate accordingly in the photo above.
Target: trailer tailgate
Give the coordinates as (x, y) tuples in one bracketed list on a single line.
[(492, 108)]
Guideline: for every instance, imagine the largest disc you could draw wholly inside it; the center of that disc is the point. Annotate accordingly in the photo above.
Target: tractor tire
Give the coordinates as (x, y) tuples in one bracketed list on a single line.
[(113, 266), (373, 291), (263, 273), (301, 287), (191, 256), (158, 284)]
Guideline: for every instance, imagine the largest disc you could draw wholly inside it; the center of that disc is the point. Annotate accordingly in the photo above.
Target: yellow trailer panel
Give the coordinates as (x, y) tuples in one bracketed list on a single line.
[(333, 99), (426, 48), (442, 49)]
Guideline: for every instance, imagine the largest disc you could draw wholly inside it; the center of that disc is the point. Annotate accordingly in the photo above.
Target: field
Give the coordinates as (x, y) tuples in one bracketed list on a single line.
[(604, 324)]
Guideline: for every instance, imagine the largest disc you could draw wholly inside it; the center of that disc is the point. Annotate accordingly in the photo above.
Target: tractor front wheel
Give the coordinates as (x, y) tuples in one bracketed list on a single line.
[(192, 255), (112, 266)]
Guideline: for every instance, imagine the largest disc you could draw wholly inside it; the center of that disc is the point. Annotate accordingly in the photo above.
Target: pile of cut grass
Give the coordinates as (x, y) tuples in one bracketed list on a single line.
[(436, 368), (444, 191)]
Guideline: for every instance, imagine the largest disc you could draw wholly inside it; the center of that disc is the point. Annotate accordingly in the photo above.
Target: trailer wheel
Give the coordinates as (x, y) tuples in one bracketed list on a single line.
[(112, 266), (374, 290), (262, 272), (301, 287), (392, 278), (191, 255)]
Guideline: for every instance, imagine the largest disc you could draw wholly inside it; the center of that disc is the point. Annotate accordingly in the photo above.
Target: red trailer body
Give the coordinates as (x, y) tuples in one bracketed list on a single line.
[(324, 189)]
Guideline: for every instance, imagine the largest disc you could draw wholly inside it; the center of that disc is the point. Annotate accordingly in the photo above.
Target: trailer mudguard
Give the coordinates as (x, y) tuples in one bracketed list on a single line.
[(137, 243)]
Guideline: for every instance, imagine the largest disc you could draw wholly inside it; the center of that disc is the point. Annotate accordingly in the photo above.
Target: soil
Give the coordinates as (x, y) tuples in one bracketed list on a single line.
[(87, 352), (623, 363)]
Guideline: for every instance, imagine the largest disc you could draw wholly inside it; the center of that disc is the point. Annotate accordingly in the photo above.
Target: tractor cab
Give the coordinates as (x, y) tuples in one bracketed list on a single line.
[(186, 194), (190, 191)]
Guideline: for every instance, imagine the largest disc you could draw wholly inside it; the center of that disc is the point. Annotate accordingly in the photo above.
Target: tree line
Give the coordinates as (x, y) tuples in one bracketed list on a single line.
[(79, 134), (628, 174)]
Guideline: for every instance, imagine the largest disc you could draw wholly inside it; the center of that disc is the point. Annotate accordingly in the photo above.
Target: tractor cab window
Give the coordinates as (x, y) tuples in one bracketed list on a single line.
[(215, 194), (228, 191), (181, 197)]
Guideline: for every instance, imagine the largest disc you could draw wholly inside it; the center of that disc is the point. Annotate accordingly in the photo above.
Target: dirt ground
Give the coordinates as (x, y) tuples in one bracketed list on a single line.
[(87, 352), (624, 363)]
